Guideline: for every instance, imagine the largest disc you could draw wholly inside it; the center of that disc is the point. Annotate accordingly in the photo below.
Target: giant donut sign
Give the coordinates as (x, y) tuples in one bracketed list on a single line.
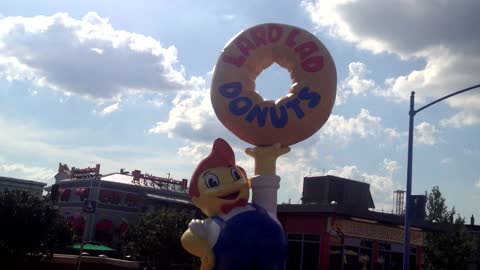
[(290, 119)]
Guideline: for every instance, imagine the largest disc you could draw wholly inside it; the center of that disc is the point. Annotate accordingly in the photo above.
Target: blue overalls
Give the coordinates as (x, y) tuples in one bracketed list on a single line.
[(249, 241)]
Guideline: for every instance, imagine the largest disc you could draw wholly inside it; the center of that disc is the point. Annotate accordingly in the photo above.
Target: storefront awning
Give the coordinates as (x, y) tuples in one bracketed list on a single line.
[(82, 192), (64, 194), (132, 197), (96, 247)]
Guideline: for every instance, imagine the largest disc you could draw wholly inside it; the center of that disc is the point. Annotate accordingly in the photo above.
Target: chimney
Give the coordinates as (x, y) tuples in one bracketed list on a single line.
[(136, 175), (184, 184), (97, 172), (472, 221)]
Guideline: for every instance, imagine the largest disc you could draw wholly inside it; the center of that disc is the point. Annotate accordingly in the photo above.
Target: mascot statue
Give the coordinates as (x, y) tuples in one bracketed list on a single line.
[(236, 234)]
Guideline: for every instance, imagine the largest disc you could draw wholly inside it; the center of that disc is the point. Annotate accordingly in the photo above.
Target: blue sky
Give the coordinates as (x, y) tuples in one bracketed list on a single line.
[(127, 84)]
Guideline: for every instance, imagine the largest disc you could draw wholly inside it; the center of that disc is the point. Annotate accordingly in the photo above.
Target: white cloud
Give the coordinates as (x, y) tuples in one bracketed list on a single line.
[(33, 92), (27, 172), (391, 165), (355, 83), (461, 119), (388, 26), (156, 102), (229, 17), (88, 57), (363, 125), (393, 134), (428, 30), (28, 141), (446, 161), (194, 152), (192, 118), (426, 133), (358, 85), (348, 171), (110, 109), (477, 184)]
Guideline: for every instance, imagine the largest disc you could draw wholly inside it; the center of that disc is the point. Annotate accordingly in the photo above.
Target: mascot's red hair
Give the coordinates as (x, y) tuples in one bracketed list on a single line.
[(221, 156)]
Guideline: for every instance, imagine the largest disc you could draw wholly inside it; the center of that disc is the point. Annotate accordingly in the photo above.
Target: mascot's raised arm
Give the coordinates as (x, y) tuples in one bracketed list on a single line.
[(237, 234)]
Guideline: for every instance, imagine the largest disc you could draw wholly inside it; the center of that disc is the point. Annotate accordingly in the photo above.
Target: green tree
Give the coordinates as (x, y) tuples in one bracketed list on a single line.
[(450, 249), (155, 239), (30, 226)]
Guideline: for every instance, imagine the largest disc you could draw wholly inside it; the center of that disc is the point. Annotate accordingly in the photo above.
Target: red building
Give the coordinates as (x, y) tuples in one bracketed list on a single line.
[(336, 214)]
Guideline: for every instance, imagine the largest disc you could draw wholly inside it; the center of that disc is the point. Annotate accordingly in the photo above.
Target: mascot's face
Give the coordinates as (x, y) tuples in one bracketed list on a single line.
[(221, 189)]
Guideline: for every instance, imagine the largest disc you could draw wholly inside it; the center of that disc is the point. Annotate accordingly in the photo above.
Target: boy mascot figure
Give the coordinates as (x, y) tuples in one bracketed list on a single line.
[(236, 234)]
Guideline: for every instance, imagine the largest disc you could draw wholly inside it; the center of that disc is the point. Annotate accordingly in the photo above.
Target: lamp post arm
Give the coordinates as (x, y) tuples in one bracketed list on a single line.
[(447, 96)]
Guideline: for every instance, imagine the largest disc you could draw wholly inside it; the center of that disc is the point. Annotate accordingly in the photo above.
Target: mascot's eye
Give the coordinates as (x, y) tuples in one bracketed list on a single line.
[(211, 180), (235, 174)]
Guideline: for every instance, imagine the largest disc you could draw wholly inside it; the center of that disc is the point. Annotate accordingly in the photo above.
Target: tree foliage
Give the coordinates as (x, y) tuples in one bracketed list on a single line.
[(155, 239), (450, 249), (30, 226)]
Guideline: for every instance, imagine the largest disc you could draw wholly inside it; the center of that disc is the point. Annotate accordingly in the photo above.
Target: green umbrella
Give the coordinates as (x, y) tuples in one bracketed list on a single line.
[(89, 246)]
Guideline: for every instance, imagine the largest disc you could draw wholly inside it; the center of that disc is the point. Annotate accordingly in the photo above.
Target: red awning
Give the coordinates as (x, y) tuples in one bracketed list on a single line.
[(116, 197), (104, 225), (132, 197), (82, 192), (105, 195), (64, 194)]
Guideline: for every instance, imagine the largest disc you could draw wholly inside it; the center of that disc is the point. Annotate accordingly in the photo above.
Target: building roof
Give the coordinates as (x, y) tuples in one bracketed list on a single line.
[(120, 178), (341, 210), (22, 181), (128, 179)]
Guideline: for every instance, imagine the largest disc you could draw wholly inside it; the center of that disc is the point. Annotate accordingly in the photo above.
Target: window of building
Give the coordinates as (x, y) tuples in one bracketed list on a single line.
[(390, 257), (303, 252), (357, 254)]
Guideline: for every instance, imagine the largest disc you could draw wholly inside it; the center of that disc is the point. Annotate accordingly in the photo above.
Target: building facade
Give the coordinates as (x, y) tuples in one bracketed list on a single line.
[(101, 207), (336, 218), (12, 184)]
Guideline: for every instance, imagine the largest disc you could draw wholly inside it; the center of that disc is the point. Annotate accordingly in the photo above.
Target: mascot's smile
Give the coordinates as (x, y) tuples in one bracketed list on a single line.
[(231, 196)]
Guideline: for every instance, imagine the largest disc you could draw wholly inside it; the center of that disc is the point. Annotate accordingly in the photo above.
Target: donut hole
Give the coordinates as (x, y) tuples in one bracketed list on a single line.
[(273, 83)]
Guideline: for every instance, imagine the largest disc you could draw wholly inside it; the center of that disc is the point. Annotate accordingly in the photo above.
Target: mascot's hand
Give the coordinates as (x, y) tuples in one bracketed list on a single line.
[(265, 157), (198, 246), (207, 260)]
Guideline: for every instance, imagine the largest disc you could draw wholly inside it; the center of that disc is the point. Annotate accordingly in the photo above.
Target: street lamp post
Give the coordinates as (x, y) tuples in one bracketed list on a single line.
[(408, 210), (342, 248)]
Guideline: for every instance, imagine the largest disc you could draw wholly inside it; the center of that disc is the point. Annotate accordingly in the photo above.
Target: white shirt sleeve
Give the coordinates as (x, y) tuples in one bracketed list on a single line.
[(264, 192), (205, 229)]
